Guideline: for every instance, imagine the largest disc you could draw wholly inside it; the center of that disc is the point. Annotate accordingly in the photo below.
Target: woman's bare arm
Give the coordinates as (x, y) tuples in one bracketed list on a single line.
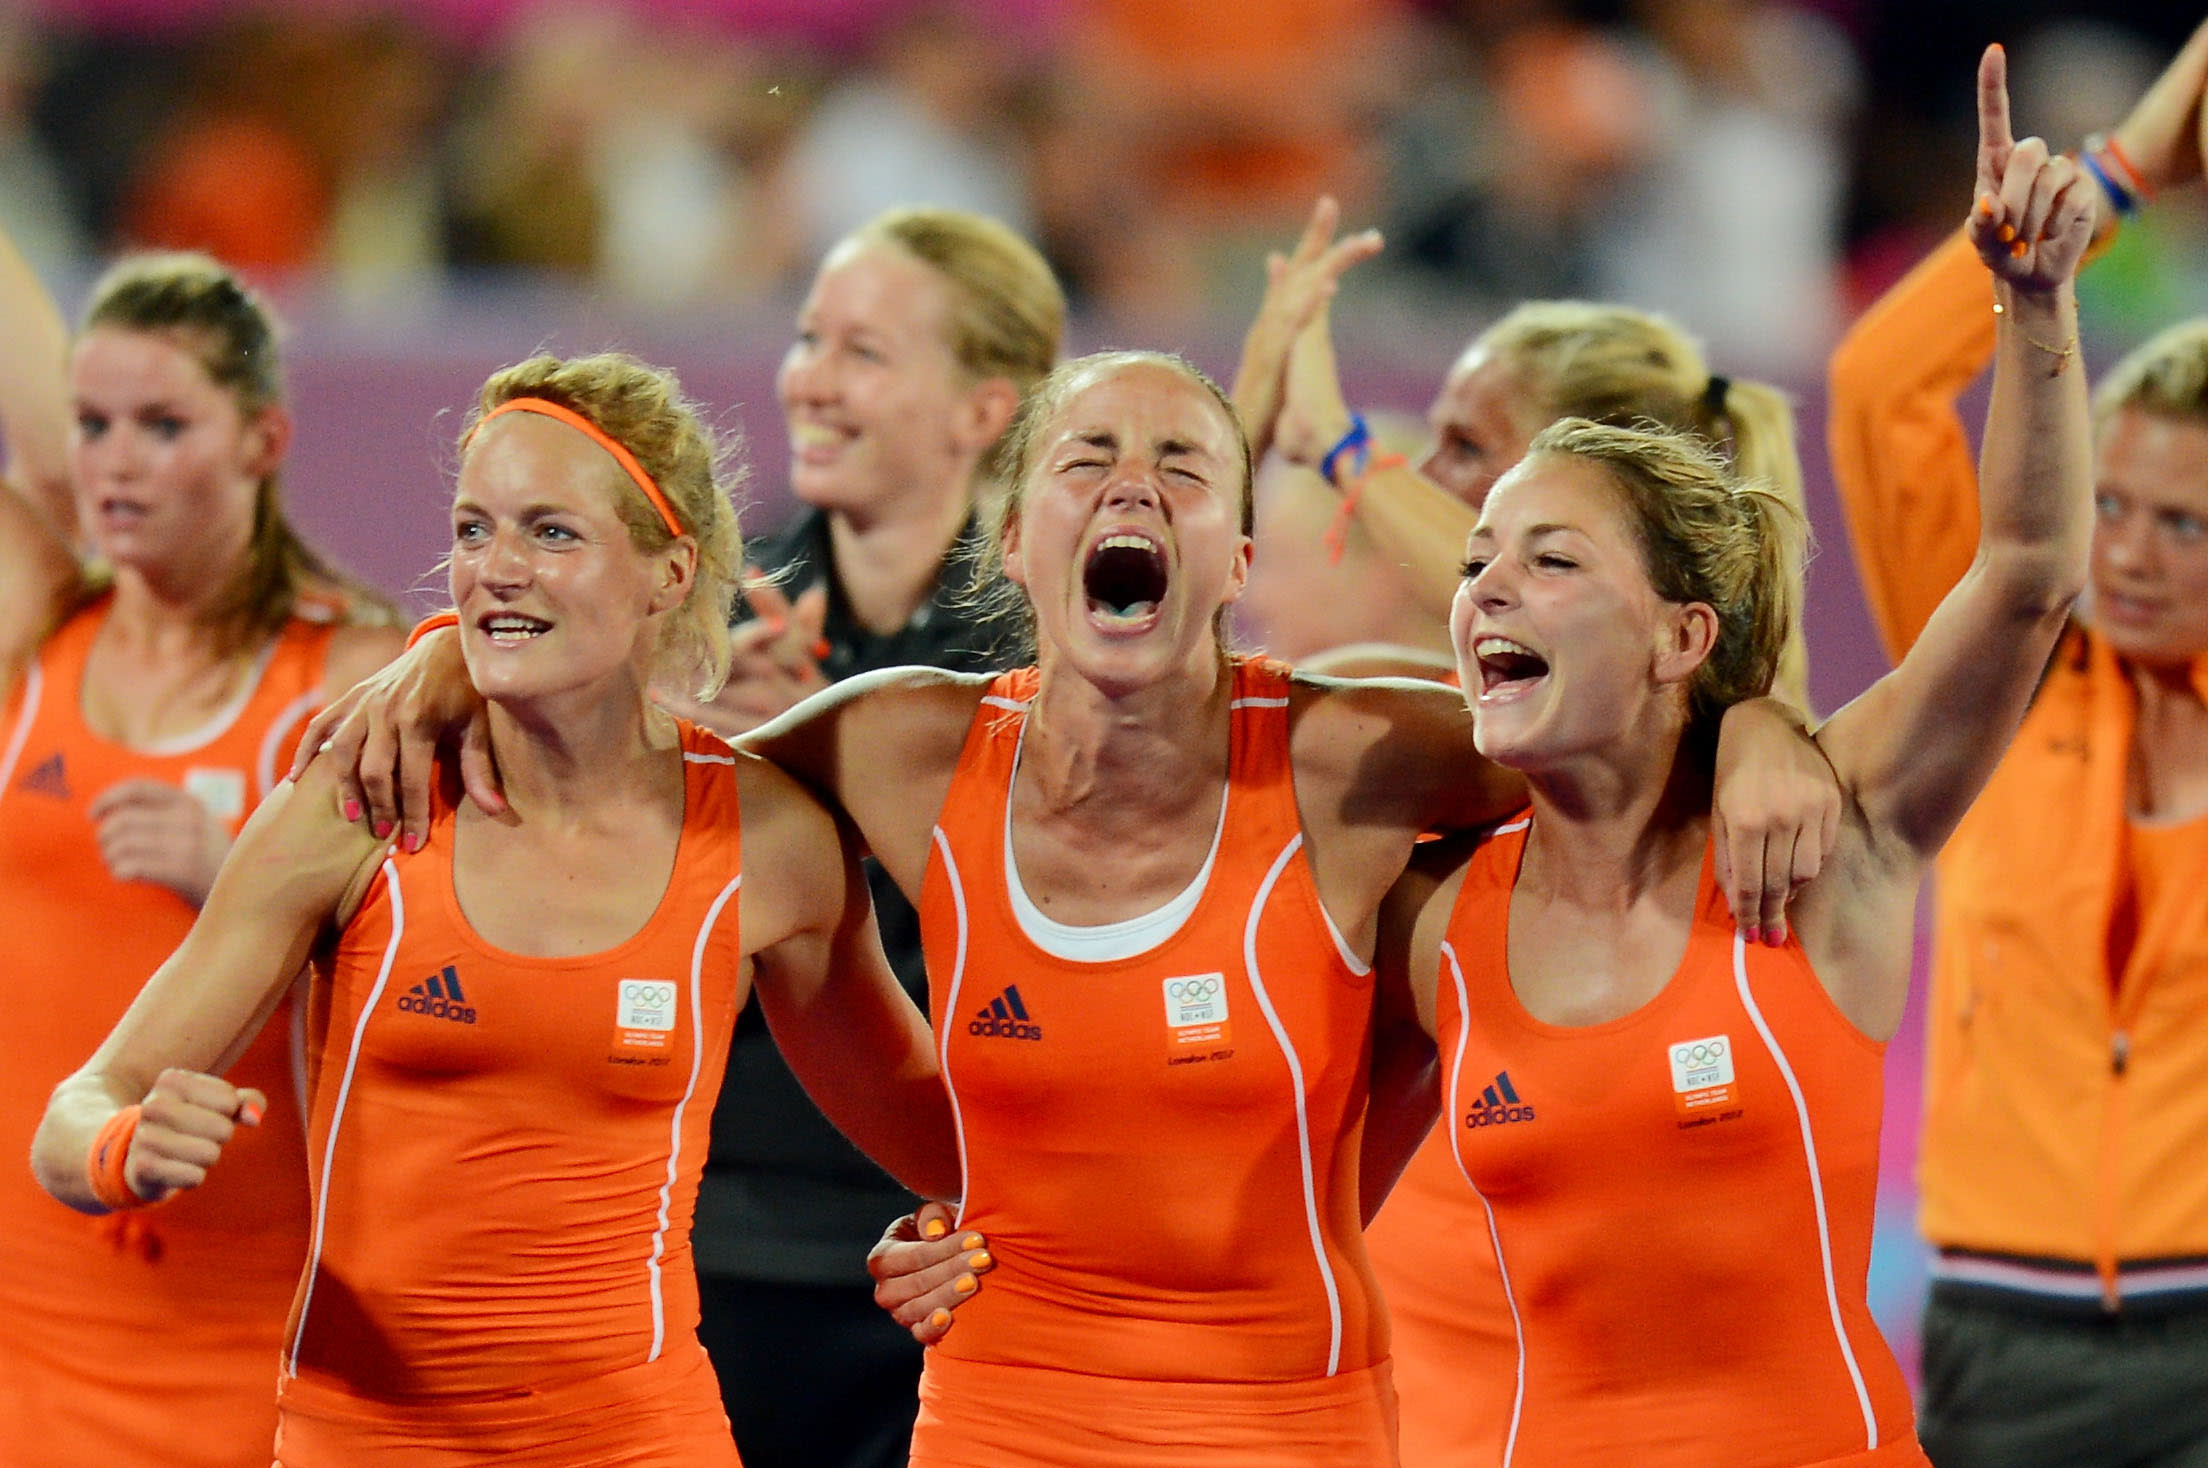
[(288, 874)]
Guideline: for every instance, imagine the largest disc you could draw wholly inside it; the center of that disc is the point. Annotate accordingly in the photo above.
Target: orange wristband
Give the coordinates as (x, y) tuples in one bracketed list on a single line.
[(1337, 534), (435, 621), (2139, 184), (103, 1166)]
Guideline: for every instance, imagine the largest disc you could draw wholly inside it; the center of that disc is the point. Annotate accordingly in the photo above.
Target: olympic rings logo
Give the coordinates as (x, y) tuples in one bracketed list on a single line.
[(647, 995), (1701, 1052), (1193, 991)]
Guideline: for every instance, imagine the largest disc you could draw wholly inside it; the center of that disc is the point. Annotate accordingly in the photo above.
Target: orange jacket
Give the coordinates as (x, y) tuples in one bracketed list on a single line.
[(2066, 1104)]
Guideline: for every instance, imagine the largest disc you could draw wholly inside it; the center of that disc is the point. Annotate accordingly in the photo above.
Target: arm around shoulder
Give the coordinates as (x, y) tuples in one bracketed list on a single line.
[(880, 749)]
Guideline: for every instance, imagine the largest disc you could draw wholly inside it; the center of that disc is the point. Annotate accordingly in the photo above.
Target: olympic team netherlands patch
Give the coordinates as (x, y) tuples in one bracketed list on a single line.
[(1702, 1075), (222, 792), (644, 1015), (1196, 1014)]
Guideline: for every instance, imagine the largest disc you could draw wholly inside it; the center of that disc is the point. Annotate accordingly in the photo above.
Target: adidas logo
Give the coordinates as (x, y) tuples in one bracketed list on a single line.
[(50, 777), (1498, 1104), (439, 997), (1005, 1017)]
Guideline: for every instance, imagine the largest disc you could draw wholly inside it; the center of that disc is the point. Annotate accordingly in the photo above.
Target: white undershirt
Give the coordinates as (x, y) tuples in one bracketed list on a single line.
[(1101, 942)]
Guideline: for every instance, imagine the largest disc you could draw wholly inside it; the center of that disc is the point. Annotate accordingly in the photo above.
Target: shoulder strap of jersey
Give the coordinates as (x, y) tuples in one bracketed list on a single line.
[(1480, 915), (712, 819), (1259, 772)]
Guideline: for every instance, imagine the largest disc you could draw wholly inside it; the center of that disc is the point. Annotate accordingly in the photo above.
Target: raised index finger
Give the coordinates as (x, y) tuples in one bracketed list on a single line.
[(1994, 135)]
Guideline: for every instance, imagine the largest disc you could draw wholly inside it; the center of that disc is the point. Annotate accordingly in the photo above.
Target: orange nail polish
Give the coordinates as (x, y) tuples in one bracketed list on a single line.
[(820, 649), (2017, 250), (250, 1114), (979, 1260), (1985, 206), (940, 1319), (2007, 233), (935, 1229), (971, 1241), (966, 1284)]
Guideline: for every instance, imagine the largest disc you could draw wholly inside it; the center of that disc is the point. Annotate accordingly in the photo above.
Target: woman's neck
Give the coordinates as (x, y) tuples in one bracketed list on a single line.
[(1125, 758), (889, 556), (1611, 827), (562, 759), (169, 618)]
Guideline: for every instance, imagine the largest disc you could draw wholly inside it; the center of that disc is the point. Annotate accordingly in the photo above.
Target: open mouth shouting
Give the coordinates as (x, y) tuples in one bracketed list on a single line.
[(1124, 581), (1507, 669)]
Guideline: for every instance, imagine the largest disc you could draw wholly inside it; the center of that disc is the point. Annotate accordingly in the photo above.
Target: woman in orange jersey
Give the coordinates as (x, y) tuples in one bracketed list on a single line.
[(1148, 874), (1672, 1133), (2067, 1068), (521, 1018), (1542, 361), (149, 697)]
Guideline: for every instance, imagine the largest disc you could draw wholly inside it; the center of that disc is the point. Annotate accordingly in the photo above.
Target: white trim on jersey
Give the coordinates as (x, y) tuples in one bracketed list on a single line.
[(950, 1007), (1816, 1184), (34, 687), (264, 764), (1355, 964), (1303, 1118), (1113, 942), (1494, 1234), (697, 1063), (193, 740), (337, 1112)]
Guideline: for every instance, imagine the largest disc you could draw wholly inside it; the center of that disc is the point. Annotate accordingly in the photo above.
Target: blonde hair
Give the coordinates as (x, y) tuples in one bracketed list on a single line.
[(1013, 464), (1706, 536), (643, 409), (1008, 314), (1616, 365), (2167, 376), (195, 302)]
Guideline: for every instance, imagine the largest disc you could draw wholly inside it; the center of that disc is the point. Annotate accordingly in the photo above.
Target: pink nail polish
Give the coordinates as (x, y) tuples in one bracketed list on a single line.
[(352, 810), (412, 843), (1755, 936), (382, 829)]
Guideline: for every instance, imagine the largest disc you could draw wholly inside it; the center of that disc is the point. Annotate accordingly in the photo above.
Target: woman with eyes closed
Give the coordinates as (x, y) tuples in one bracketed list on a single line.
[(1148, 873), (152, 680), (522, 1017), (1672, 1134)]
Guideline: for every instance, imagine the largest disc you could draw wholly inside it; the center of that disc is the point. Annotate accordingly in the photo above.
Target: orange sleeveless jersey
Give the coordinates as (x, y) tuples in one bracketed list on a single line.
[(140, 1338), (1430, 1252), (1681, 1203), (504, 1153), (1162, 1148)]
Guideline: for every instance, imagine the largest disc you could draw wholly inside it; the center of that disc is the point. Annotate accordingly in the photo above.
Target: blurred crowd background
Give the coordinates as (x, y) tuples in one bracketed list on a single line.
[(1759, 167), (429, 188)]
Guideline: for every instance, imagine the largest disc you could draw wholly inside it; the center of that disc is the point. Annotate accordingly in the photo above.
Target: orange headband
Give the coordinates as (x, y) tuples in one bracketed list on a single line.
[(604, 440)]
